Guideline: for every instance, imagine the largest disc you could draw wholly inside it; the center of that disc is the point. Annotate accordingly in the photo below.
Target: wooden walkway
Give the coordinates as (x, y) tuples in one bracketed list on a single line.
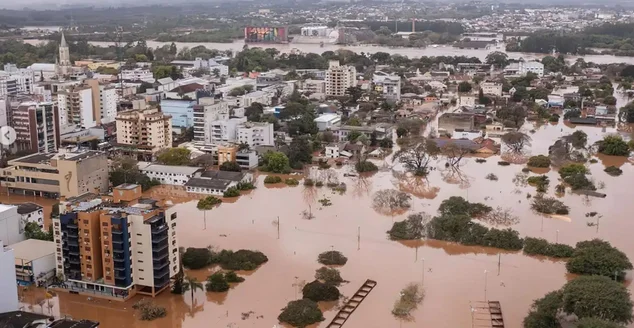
[(487, 314), (353, 303)]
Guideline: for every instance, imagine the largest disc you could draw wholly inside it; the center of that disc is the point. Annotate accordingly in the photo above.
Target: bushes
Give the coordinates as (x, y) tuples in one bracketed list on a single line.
[(217, 283), (410, 297), (318, 291), (410, 229), (598, 257), (459, 228), (329, 276), (230, 166), (245, 185), (291, 182), (196, 258), (491, 177), (231, 192), (597, 297), (240, 260), (540, 182), (457, 205), (480, 160), (365, 166), (301, 313), (148, 310), (503, 163), (332, 258), (539, 161), (504, 239), (309, 182), (613, 145), (572, 169), (538, 246), (613, 171), (549, 205), (232, 277), (272, 179), (597, 323), (575, 176)]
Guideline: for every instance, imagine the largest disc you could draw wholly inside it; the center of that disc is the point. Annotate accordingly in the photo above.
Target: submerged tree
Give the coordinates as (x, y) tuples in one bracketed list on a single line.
[(597, 297), (454, 152), (516, 141), (301, 313), (389, 201), (411, 228), (598, 257), (416, 154)]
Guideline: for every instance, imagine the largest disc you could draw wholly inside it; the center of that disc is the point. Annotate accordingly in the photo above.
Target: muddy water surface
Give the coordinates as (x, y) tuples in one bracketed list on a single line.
[(454, 276)]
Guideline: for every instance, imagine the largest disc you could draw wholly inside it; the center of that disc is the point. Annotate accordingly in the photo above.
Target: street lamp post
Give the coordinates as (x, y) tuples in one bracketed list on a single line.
[(485, 285), (557, 236), (423, 280)]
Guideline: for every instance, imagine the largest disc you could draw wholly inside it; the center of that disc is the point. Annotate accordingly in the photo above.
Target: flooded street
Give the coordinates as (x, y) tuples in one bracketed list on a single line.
[(454, 276)]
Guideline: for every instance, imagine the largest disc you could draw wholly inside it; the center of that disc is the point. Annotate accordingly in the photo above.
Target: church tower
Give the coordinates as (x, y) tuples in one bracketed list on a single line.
[(64, 66)]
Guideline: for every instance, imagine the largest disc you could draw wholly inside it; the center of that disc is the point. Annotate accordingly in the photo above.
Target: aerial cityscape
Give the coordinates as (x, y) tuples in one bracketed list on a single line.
[(297, 164)]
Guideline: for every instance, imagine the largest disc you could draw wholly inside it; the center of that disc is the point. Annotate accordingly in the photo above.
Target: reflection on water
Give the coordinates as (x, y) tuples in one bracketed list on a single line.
[(453, 274)]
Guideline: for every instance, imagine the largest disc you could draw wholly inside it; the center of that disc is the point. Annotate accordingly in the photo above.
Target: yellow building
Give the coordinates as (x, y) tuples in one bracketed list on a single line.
[(146, 130)]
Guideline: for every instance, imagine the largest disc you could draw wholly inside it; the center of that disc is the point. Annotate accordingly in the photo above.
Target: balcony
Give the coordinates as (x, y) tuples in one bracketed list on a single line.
[(156, 258), (158, 240), (71, 225), (158, 249), (159, 229), (72, 260)]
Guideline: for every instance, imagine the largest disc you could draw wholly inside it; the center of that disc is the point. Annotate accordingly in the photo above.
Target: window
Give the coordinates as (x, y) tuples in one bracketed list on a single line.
[(105, 234), (175, 250), (85, 230), (87, 249), (139, 243), (85, 221), (138, 234), (140, 261), (88, 266), (88, 258), (139, 252), (105, 224), (141, 270), (59, 258)]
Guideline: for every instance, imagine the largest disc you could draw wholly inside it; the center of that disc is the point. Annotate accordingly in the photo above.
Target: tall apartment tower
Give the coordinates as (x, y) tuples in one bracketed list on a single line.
[(339, 78), (118, 247), (148, 129), (36, 125)]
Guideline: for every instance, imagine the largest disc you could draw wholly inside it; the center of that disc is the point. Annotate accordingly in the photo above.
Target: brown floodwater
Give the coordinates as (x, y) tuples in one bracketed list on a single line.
[(453, 275)]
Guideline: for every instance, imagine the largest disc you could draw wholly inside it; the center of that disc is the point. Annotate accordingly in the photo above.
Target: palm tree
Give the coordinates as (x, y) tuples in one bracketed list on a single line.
[(192, 284), (206, 204)]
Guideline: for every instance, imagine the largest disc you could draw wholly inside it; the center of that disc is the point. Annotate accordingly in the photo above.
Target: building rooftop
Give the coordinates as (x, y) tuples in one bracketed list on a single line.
[(223, 175), (183, 170), (126, 186), (20, 319), (32, 249), (325, 118), (35, 159), (26, 208), (208, 183), (67, 323)]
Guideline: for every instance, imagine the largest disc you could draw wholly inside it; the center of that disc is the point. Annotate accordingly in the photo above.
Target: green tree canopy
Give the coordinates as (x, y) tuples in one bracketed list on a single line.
[(230, 166), (597, 297), (174, 156), (277, 162), (613, 145), (598, 257)]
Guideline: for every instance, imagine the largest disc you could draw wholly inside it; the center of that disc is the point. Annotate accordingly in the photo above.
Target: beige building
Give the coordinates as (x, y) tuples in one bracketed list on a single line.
[(67, 174), (117, 246), (339, 78), (148, 130), (87, 105)]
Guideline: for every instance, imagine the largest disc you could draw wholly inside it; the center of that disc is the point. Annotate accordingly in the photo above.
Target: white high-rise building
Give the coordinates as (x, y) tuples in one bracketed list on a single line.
[(8, 284), (339, 78), (10, 228), (256, 134), (387, 85)]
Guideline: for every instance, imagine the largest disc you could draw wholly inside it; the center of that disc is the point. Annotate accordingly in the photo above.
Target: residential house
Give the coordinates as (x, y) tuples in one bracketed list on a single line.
[(168, 174), (216, 182)]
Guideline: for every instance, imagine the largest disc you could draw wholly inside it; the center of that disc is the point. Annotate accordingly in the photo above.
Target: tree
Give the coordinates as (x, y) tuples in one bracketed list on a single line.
[(516, 141), (416, 154), (174, 156), (33, 231), (254, 112), (329, 276), (217, 283), (206, 204), (301, 313), (353, 135), (613, 145), (196, 258), (318, 291), (544, 312), (354, 121), (626, 114), (408, 301), (609, 100), (578, 139), (512, 116), (355, 93), (401, 132), (205, 161), (465, 86), (597, 323), (498, 59), (597, 297), (388, 201), (598, 257), (549, 205), (456, 205), (365, 166), (332, 258), (412, 228), (299, 152), (454, 153), (539, 161), (230, 166), (277, 162), (192, 285)]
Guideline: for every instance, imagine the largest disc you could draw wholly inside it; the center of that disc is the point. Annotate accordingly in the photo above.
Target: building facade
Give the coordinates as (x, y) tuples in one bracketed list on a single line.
[(76, 107), (34, 262), (66, 174), (118, 248), (389, 86), (11, 230), (9, 300), (168, 174), (182, 112), (339, 78), (31, 212), (137, 74), (205, 113), (255, 134), (36, 125), (147, 129), (491, 88)]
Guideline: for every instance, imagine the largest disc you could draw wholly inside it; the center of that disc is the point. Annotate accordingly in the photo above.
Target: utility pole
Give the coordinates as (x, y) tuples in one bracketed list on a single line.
[(485, 285), (359, 238), (423, 277), (278, 227), (499, 262)]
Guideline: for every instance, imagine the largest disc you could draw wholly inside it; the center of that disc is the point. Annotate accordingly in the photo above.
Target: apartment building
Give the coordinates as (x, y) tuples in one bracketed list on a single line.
[(255, 134), (137, 74), (87, 105), (149, 129), (36, 125), (314, 86), (116, 248), (491, 88), (9, 300), (207, 111), (225, 130), (15, 80), (67, 174), (523, 68), (387, 85), (181, 111), (339, 78)]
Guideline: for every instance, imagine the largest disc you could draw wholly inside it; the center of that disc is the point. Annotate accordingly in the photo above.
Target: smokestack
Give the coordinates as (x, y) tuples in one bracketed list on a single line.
[(413, 26)]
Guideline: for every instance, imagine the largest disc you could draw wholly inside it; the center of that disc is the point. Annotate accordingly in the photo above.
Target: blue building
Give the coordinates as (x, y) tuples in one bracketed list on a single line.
[(182, 112)]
